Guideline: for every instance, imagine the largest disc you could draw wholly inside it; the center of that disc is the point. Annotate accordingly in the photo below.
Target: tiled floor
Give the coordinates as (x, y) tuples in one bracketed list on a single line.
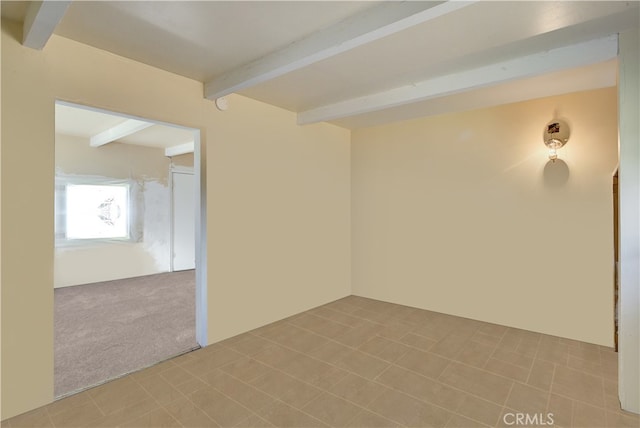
[(361, 363)]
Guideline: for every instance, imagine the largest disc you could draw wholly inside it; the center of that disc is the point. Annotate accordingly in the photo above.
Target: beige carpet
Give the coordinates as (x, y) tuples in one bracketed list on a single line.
[(107, 329)]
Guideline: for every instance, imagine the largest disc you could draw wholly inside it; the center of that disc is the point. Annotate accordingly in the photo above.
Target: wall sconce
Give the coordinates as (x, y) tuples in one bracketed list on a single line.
[(556, 135)]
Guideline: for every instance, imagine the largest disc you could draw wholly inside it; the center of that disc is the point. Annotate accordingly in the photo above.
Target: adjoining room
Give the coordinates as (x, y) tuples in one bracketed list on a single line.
[(124, 267)]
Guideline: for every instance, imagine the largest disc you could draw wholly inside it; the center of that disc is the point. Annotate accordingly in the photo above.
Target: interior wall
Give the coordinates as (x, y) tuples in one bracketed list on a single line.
[(464, 214), (183, 160), (277, 194), (147, 169)]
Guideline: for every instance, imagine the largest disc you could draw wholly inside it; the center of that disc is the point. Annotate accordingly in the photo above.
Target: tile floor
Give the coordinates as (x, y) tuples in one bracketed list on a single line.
[(358, 362)]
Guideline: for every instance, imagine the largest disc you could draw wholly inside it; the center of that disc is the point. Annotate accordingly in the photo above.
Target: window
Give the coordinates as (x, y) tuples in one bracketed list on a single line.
[(97, 211)]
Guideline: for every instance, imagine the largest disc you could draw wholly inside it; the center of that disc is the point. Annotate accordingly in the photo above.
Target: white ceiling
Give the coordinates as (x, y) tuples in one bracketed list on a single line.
[(211, 41)]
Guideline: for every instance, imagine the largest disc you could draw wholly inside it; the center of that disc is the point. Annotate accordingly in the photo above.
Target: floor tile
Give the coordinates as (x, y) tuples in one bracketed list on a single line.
[(250, 344), (513, 358), (528, 348), (403, 312), (486, 339), (329, 378), (81, 416), (210, 361), (562, 409), (494, 330), (275, 356), (510, 340), (362, 364), (384, 349), (395, 329), (578, 385), (449, 346), (527, 399), (409, 411), (479, 410), (245, 394), (366, 419), (474, 381), (126, 414), (245, 369), (282, 415), (220, 408), (619, 420), (475, 354), (306, 368), (191, 386), (425, 363), (373, 316), (164, 365), (286, 388), (158, 418), (555, 353), (118, 394), (319, 325), (254, 421), (332, 410), (458, 421), (331, 352), (342, 307), (337, 316), (541, 374), (360, 334), (586, 416), (586, 351), (160, 389), (436, 330), (587, 366), (358, 389), (296, 338), (507, 370), (176, 375), (68, 403), (417, 341), (421, 387)]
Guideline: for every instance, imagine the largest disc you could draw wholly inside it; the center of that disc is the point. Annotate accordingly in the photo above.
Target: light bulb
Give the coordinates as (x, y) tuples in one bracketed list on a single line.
[(553, 155)]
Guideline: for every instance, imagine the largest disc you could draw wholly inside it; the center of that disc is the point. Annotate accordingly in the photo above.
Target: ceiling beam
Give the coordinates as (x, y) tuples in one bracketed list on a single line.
[(121, 130), (180, 149), (372, 24), (41, 20), (577, 55)]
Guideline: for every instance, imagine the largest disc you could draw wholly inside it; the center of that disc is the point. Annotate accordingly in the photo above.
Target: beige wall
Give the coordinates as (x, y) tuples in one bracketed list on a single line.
[(278, 199), (463, 214), (183, 160)]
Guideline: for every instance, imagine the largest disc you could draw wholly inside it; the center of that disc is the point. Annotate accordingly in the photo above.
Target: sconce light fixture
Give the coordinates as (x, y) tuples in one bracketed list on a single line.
[(556, 135)]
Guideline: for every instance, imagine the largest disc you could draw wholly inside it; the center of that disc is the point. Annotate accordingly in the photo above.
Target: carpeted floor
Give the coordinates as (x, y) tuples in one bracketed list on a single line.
[(107, 329)]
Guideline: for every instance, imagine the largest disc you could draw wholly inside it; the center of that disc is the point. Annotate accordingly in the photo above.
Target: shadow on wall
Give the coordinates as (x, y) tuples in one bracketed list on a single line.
[(555, 174)]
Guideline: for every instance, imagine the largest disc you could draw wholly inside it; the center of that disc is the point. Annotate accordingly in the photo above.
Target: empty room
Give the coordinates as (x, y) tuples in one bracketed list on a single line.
[(404, 213)]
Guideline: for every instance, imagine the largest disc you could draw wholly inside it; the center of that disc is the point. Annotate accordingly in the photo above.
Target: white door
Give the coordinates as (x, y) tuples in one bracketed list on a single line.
[(184, 220)]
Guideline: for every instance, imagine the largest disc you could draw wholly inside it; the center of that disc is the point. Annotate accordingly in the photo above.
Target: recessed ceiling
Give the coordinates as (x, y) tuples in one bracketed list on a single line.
[(308, 57)]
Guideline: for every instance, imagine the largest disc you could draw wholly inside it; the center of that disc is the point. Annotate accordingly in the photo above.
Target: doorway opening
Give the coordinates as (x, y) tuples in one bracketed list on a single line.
[(129, 276)]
